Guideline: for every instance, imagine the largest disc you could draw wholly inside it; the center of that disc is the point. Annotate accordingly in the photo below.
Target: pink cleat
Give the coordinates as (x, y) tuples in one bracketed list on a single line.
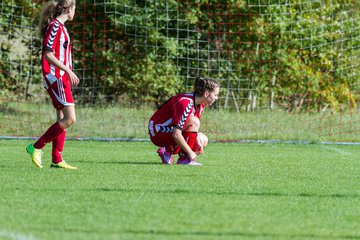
[(166, 157)]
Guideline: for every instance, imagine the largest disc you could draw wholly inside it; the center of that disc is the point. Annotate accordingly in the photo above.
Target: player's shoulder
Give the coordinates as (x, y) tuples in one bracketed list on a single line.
[(187, 97), (53, 26), (54, 23)]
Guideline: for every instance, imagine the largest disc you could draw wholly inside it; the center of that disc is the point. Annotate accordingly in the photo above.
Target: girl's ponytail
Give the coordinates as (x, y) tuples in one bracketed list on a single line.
[(52, 10), (47, 15)]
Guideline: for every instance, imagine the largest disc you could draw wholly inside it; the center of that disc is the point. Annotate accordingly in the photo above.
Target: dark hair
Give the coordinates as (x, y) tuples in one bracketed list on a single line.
[(203, 84), (52, 10)]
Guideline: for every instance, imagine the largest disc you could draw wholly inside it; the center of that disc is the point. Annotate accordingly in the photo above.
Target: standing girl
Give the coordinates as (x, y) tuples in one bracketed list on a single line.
[(58, 78), (174, 127)]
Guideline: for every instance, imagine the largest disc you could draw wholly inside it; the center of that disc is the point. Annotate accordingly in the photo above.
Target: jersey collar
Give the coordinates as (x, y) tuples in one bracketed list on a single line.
[(195, 106)]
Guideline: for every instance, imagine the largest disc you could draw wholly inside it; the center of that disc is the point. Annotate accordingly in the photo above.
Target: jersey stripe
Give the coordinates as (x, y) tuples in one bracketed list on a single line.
[(53, 33), (186, 114), (174, 113), (56, 40)]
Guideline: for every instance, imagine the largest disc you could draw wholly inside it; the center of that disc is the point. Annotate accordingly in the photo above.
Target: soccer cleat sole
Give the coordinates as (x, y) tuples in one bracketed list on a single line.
[(67, 167)]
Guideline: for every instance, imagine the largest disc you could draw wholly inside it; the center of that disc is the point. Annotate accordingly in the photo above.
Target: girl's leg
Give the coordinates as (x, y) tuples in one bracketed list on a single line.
[(57, 128), (66, 118), (58, 142), (190, 135), (165, 141), (166, 157), (69, 117), (201, 142), (202, 139)]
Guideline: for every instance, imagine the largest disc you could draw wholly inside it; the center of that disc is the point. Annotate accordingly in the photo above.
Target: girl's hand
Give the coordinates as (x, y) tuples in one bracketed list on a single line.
[(199, 149), (49, 55), (73, 78), (192, 156)]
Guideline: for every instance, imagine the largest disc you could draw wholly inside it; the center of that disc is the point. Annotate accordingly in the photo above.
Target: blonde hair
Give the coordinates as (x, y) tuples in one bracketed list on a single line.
[(52, 10), (203, 84)]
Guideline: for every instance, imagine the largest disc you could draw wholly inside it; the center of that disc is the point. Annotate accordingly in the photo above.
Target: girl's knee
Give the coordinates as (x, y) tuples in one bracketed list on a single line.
[(71, 120), (203, 139), (67, 122), (193, 124)]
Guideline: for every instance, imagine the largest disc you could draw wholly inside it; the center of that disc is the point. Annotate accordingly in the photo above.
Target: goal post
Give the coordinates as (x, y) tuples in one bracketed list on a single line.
[(288, 69)]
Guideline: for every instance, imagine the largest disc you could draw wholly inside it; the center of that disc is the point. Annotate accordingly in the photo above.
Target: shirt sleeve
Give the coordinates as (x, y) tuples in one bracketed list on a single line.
[(51, 37), (181, 112)]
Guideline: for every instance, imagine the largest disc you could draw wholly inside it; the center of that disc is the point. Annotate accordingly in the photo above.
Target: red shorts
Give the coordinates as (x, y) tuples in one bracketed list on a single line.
[(165, 139), (59, 90)]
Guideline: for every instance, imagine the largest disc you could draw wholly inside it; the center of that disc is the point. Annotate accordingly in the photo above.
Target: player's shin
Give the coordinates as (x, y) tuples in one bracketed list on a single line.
[(190, 138), (58, 146)]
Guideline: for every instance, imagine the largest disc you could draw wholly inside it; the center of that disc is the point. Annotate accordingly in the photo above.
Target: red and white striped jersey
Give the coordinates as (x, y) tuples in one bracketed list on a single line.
[(175, 112), (56, 40)]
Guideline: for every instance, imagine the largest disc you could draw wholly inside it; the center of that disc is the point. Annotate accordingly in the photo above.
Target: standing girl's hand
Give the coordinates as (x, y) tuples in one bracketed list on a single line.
[(49, 55), (73, 78)]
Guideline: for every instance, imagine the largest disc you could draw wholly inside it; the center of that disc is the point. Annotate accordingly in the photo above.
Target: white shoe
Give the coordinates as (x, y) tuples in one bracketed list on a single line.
[(195, 163), (189, 162)]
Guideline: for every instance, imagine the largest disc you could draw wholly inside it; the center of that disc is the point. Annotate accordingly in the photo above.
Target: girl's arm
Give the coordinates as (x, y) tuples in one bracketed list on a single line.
[(179, 139), (50, 57)]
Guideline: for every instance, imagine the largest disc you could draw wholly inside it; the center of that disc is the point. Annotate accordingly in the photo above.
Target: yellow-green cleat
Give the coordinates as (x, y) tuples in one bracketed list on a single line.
[(62, 164), (35, 155)]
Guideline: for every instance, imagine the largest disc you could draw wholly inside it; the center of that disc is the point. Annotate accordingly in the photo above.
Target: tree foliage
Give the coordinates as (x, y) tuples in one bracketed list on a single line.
[(303, 55)]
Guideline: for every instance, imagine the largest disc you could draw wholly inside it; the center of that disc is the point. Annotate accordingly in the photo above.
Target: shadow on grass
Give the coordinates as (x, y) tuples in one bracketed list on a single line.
[(121, 163), (265, 194), (186, 191), (221, 234), (240, 234)]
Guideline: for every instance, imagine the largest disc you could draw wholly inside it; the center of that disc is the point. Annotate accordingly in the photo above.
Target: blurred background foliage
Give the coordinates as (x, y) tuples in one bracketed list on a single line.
[(303, 56)]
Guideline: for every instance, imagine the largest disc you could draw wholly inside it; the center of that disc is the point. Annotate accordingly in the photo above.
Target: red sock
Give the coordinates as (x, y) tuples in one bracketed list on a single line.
[(53, 131), (58, 146), (190, 138)]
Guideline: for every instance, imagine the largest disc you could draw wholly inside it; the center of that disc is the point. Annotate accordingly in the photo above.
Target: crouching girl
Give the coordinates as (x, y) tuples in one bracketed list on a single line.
[(175, 125)]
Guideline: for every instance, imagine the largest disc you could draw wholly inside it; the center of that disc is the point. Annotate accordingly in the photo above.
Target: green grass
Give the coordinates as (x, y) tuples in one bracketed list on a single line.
[(121, 191)]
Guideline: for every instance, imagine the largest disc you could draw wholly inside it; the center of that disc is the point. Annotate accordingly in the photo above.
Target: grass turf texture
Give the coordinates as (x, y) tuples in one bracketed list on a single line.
[(121, 191)]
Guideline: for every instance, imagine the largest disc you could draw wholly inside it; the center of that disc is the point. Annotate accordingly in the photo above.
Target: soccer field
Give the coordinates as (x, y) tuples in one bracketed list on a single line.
[(122, 191)]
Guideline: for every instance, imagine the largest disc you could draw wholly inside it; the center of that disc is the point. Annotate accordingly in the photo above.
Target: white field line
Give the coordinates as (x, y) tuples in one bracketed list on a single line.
[(15, 235), (337, 150)]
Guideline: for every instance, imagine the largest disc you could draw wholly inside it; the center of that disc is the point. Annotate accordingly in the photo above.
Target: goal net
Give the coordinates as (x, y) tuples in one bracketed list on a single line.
[(289, 70)]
